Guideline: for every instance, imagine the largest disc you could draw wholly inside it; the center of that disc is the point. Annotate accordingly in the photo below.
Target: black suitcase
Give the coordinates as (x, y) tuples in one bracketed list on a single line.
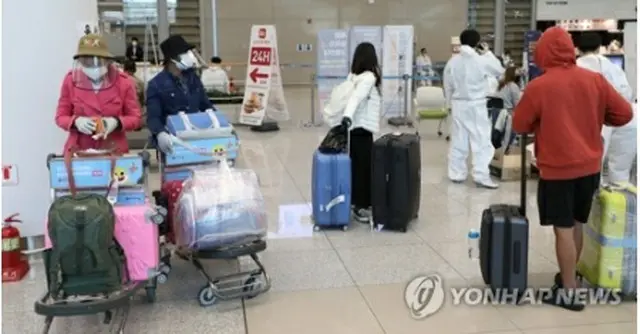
[(395, 180), (504, 241)]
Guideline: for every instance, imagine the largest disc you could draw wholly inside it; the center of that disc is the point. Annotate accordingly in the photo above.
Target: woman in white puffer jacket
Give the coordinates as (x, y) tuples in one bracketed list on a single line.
[(362, 118)]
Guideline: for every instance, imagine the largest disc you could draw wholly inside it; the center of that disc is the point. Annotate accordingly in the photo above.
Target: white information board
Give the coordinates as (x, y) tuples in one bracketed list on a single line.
[(552, 10), (397, 54), (27, 140), (263, 93)]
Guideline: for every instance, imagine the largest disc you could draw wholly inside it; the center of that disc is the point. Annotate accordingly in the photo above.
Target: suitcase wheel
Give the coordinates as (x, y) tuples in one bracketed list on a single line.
[(448, 138), (439, 133), (316, 228), (345, 227), (403, 230)]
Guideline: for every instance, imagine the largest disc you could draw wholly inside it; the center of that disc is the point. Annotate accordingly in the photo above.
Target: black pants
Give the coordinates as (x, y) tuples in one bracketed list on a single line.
[(561, 203), (360, 151)]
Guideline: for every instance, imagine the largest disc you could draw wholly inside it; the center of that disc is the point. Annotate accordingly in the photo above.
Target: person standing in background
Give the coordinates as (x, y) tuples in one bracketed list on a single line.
[(620, 145), (134, 51), (215, 77), (466, 87), (424, 67), (130, 68), (506, 59)]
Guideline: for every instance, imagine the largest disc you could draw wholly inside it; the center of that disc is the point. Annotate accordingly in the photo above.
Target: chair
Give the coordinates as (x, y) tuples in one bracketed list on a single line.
[(430, 104)]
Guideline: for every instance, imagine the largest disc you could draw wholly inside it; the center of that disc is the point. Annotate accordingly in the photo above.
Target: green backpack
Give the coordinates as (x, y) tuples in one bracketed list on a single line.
[(85, 258)]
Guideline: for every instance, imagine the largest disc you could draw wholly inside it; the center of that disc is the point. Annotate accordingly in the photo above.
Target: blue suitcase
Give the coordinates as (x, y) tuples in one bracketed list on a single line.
[(331, 190)]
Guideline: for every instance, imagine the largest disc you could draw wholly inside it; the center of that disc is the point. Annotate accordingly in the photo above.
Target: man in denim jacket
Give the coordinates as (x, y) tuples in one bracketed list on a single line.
[(177, 88)]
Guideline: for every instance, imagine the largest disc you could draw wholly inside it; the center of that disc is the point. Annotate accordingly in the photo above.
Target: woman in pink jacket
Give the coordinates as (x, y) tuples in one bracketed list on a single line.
[(98, 103)]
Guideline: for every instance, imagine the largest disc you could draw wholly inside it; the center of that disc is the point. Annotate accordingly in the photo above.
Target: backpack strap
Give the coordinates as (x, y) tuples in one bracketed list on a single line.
[(53, 273), (68, 156)]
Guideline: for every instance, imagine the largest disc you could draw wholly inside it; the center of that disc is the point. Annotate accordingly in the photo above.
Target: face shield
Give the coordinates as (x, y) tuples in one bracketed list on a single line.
[(93, 73), (190, 60)]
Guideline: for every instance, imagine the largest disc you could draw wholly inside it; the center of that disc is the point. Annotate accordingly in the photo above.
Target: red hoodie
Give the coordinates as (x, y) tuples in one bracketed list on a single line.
[(566, 108)]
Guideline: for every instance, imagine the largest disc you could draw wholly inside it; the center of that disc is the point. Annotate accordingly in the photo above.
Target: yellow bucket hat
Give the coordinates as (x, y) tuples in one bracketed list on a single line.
[(93, 45)]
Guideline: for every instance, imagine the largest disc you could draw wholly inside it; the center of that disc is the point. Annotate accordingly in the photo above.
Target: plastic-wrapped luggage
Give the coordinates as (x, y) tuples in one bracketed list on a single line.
[(219, 207), (609, 257)]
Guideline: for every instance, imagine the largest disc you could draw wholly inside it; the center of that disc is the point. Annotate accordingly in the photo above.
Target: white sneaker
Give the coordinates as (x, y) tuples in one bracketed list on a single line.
[(362, 215), (460, 180), (488, 184)]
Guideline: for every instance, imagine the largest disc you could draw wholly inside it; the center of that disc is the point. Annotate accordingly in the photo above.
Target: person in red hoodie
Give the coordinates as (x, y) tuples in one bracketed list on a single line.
[(566, 108)]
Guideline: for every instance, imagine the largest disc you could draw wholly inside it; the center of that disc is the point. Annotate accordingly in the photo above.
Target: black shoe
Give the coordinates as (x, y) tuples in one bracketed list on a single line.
[(557, 280), (565, 298)]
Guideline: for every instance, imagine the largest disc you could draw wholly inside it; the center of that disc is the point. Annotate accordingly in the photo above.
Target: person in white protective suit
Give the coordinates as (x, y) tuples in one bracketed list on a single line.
[(466, 80), (620, 146)]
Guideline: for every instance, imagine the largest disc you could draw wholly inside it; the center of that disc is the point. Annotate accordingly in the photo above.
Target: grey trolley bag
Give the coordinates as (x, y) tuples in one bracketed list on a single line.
[(504, 240)]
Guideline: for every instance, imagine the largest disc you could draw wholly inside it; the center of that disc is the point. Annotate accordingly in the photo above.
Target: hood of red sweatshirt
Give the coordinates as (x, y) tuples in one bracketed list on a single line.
[(555, 49)]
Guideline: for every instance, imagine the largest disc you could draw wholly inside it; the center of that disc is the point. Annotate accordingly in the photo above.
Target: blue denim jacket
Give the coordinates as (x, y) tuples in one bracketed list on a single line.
[(168, 95)]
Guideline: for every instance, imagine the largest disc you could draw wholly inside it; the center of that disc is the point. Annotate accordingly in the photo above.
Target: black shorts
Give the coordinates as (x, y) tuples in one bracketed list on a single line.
[(561, 203)]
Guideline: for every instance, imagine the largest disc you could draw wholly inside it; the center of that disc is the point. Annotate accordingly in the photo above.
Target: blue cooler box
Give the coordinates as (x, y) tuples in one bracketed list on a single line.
[(126, 196), (94, 172), (199, 131)]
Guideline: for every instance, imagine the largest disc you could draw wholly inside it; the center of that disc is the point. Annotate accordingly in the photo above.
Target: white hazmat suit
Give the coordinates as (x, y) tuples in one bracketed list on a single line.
[(620, 145), (466, 79)]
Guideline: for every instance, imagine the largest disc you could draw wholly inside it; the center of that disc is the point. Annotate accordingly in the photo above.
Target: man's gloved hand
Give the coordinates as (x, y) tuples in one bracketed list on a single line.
[(85, 125), (110, 125), (165, 142), (345, 124)]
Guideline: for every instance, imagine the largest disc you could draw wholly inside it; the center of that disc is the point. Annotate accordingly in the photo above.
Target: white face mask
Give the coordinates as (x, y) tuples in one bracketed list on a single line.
[(95, 73), (186, 61), (134, 43)]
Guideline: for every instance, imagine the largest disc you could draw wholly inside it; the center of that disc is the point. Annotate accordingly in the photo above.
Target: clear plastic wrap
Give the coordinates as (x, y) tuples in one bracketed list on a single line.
[(219, 207), (609, 257)]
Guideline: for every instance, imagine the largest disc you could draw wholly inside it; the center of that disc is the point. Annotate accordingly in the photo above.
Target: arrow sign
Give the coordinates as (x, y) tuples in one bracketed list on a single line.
[(254, 75)]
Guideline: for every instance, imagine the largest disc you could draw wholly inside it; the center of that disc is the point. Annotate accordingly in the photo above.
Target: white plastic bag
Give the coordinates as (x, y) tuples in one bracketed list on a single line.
[(334, 109), (220, 207)]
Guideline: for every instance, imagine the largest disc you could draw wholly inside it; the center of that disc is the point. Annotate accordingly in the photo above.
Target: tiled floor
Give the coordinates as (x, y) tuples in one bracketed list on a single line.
[(343, 282)]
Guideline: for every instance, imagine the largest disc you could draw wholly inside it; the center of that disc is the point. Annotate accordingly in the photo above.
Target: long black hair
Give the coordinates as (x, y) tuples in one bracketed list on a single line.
[(366, 59)]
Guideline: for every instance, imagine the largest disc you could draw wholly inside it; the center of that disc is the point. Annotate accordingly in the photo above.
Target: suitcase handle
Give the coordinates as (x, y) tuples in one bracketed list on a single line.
[(523, 174)]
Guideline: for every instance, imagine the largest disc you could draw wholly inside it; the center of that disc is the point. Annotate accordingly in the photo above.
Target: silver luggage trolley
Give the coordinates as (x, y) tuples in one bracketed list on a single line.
[(251, 282), (115, 305)]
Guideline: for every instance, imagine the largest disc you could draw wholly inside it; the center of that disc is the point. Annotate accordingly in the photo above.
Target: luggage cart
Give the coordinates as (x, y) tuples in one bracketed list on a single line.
[(253, 282), (115, 305)]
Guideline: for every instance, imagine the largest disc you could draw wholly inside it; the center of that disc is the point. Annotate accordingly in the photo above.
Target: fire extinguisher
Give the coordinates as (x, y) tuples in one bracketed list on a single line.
[(11, 252)]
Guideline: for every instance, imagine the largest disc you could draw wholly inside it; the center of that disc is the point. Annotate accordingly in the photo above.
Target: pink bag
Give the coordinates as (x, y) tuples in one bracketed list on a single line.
[(138, 236)]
